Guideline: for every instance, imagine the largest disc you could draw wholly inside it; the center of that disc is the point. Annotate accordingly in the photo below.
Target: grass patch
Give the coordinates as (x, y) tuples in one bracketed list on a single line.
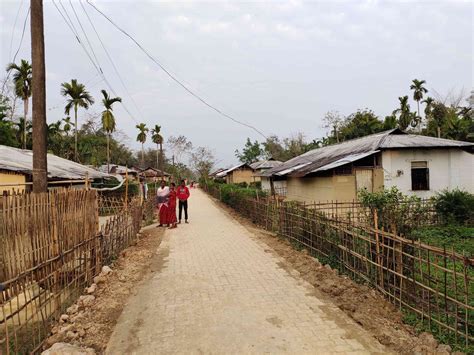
[(460, 238)]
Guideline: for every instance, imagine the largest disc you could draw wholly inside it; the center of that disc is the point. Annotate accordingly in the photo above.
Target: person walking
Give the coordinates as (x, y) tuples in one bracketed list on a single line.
[(183, 195)]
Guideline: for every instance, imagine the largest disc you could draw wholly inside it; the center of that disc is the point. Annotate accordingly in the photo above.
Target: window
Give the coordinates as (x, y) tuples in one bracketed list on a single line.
[(420, 176), (343, 170)]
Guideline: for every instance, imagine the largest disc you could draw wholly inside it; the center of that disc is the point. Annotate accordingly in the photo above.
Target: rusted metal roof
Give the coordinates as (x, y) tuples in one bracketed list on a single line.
[(21, 161), (320, 158)]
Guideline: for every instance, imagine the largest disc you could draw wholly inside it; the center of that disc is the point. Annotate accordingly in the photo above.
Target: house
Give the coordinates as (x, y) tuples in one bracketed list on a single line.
[(153, 175), (214, 173), (415, 164), (16, 169), (120, 170), (261, 166), (238, 174)]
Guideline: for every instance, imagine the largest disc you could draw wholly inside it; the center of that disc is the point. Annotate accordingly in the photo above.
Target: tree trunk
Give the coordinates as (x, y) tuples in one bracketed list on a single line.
[(25, 108), (40, 160), (419, 117), (143, 157), (439, 131), (108, 153), (75, 133), (161, 161), (157, 158)]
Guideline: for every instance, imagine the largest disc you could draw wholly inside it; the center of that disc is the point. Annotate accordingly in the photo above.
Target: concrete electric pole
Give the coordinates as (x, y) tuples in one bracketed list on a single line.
[(40, 164)]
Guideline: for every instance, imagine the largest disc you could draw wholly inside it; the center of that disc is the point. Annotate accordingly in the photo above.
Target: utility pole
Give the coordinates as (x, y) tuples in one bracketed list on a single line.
[(40, 163)]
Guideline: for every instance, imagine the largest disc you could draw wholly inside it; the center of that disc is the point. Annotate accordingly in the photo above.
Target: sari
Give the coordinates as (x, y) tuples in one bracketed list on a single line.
[(161, 205), (171, 208)]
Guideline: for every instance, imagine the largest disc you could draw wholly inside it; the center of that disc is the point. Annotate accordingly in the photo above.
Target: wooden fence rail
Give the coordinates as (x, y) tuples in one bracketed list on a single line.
[(435, 284), (51, 247)]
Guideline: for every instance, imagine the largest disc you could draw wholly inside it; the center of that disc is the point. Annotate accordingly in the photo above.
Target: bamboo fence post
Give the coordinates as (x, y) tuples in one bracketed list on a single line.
[(377, 249), (455, 283), (126, 187), (466, 298)]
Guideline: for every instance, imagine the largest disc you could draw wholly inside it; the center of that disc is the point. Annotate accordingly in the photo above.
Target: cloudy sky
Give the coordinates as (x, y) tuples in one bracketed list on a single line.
[(277, 65)]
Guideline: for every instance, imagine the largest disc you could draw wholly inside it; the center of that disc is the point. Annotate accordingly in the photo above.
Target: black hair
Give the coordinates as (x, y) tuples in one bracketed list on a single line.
[(173, 184)]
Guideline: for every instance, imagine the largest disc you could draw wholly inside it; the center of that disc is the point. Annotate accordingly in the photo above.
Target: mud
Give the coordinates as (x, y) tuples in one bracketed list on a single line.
[(94, 324)]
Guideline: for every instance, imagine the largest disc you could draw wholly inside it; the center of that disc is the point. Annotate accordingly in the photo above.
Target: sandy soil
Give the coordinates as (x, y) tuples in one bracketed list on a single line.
[(90, 322)]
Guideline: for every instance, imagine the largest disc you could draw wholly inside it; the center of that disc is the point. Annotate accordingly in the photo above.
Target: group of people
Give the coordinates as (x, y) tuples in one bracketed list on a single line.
[(166, 204)]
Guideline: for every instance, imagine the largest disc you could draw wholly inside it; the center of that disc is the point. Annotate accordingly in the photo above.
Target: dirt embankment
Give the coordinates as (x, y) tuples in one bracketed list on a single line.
[(363, 304), (91, 320)]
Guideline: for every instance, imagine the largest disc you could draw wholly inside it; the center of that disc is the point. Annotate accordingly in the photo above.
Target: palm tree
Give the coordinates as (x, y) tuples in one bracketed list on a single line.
[(24, 127), (22, 80), (428, 102), (108, 120), (439, 114), (418, 91), (67, 125), (141, 137), (405, 117), (157, 138), (78, 96)]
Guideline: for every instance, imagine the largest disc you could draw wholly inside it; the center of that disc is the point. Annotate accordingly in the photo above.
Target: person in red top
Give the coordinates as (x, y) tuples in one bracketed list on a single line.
[(171, 210), (183, 195)]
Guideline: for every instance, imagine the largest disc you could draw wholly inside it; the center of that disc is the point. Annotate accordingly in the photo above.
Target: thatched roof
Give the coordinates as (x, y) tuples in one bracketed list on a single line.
[(335, 155)]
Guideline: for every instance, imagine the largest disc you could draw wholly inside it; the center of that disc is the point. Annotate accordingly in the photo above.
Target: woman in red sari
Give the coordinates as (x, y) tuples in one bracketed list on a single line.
[(171, 219)]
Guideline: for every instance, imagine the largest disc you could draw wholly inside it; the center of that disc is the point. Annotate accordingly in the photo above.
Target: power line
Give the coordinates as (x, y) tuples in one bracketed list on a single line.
[(85, 35), (13, 29), (110, 59), (174, 77), (73, 29), (18, 50)]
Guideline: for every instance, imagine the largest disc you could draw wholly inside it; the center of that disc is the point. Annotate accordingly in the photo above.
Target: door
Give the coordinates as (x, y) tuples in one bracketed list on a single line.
[(364, 179)]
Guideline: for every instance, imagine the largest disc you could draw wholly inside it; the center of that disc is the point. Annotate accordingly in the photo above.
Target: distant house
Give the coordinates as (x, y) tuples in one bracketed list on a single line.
[(214, 173), (120, 170), (153, 175), (415, 164), (237, 174), (260, 167), (16, 169)]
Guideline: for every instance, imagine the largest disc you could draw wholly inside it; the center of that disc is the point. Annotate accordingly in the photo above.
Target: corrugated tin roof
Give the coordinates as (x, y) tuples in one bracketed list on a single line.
[(19, 160), (225, 172), (265, 164), (116, 169), (393, 139), (343, 161)]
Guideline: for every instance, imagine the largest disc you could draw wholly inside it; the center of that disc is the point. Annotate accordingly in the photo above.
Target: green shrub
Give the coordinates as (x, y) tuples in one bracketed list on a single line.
[(256, 185), (394, 209), (455, 206)]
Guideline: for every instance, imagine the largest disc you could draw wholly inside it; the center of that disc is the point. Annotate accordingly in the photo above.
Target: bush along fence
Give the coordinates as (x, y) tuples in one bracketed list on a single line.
[(51, 248), (434, 284)]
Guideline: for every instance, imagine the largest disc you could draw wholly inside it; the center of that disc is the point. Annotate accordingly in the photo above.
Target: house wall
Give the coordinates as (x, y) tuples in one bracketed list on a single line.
[(279, 184), (448, 169), (240, 175), (330, 188), (7, 177), (316, 189)]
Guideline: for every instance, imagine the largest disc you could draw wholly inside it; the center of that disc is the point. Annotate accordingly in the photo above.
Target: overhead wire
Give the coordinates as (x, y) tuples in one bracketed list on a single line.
[(18, 49), (110, 58), (97, 66), (13, 29), (173, 77)]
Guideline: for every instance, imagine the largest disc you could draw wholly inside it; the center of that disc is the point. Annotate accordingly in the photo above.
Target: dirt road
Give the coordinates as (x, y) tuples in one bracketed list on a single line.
[(216, 290)]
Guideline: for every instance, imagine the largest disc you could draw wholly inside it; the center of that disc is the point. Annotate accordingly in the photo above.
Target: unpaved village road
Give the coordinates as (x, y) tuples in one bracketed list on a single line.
[(216, 290)]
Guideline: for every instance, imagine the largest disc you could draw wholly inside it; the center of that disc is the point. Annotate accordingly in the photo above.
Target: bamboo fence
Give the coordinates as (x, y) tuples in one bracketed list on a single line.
[(435, 284), (51, 248)]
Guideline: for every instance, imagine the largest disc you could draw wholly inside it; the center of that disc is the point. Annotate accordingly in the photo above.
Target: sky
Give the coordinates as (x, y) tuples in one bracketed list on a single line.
[(276, 65)]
